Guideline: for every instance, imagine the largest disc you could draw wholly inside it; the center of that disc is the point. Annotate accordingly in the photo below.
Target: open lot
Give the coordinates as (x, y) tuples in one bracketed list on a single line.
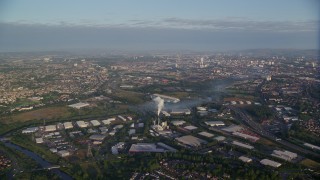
[(43, 113)]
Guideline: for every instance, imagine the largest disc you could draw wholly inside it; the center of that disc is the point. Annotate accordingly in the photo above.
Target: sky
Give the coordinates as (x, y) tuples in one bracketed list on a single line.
[(209, 25)]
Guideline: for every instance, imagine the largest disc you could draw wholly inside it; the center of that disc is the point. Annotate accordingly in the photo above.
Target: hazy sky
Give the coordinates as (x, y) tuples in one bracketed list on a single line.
[(27, 25)]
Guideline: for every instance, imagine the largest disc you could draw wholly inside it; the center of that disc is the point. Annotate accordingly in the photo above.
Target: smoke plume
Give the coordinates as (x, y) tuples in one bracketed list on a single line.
[(159, 103)]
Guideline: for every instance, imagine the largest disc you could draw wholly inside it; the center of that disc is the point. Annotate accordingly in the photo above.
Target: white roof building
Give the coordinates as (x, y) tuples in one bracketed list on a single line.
[(268, 162), (178, 123), (214, 123), (312, 146), (191, 141), (190, 128), (68, 125), (245, 159), (122, 118), (39, 140), (237, 143), (206, 134), (166, 98), (30, 130), (108, 121), (50, 128), (220, 138), (82, 124), (79, 105), (63, 153), (144, 147), (286, 155), (95, 123), (97, 137), (131, 132), (232, 128), (246, 136)]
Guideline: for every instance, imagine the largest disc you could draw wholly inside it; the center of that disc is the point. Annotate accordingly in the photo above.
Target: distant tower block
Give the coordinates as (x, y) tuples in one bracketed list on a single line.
[(89, 152), (201, 63), (269, 78)]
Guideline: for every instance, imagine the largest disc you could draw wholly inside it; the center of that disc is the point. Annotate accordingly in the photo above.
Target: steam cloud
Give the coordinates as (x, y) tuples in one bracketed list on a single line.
[(159, 103)]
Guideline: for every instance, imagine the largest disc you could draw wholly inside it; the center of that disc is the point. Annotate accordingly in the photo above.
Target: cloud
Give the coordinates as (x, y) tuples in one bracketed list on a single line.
[(144, 35), (244, 24), (224, 24)]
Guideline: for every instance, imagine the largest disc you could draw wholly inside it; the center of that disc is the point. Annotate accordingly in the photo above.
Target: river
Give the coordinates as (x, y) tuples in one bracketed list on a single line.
[(43, 163)]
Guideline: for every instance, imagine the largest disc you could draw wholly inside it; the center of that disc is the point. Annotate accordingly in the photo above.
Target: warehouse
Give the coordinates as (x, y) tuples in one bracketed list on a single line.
[(30, 130), (268, 162), (50, 128), (39, 140), (95, 123), (237, 143), (246, 136), (166, 98), (67, 125), (82, 124), (206, 134), (286, 155), (232, 128), (108, 121), (178, 123), (214, 123), (191, 141), (245, 159), (145, 147), (63, 153), (190, 128), (79, 105), (97, 137)]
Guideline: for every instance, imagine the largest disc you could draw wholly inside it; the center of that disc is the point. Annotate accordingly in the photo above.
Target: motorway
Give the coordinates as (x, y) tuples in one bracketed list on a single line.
[(257, 128)]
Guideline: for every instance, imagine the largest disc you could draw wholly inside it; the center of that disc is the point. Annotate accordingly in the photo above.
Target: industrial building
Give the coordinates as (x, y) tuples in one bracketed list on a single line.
[(63, 153), (312, 146), (67, 125), (246, 136), (268, 162), (122, 118), (115, 148), (220, 138), (166, 98), (232, 128), (286, 155), (245, 159), (50, 128), (39, 140), (190, 128), (82, 124), (145, 147), (30, 130), (206, 134), (95, 123), (178, 122), (150, 147), (190, 141), (108, 121), (237, 143), (131, 132), (79, 105), (183, 111), (214, 123), (97, 137)]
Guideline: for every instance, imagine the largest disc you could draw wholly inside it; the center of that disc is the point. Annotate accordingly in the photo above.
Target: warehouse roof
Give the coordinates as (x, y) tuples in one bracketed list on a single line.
[(191, 140)]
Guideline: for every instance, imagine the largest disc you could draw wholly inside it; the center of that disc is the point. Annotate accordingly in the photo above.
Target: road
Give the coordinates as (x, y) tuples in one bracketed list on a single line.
[(257, 128)]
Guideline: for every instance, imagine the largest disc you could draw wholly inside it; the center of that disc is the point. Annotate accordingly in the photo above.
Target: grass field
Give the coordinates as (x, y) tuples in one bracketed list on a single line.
[(310, 163), (129, 96), (44, 113)]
